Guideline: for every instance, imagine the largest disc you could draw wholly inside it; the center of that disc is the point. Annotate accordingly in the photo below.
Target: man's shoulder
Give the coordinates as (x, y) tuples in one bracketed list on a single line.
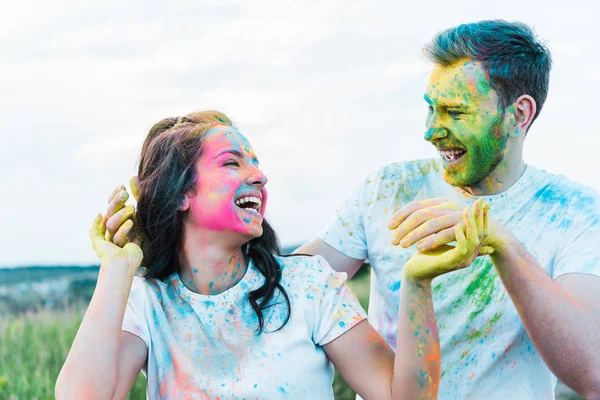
[(404, 171), (559, 190)]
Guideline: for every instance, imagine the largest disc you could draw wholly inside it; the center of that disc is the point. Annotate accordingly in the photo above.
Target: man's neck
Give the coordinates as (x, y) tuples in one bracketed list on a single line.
[(502, 178), (208, 266)]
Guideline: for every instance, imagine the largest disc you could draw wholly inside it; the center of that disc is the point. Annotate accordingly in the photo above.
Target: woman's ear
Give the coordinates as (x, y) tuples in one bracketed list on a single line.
[(185, 203)]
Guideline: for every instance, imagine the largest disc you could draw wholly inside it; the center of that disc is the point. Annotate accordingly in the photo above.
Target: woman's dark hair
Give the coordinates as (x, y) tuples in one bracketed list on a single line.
[(516, 62), (166, 172)]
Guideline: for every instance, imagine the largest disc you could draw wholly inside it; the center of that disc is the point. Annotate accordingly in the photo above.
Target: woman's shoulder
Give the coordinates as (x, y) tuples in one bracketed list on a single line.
[(146, 287)]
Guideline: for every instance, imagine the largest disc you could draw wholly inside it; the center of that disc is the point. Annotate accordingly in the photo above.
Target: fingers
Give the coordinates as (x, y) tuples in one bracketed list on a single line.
[(437, 240), (478, 211), (471, 228), (114, 223), (485, 251), (428, 228), (410, 208), (95, 228), (134, 185), (114, 192), (102, 227), (121, 238), (117, 203), (461, 240), (486, 213), (413, 222), (422, 216)]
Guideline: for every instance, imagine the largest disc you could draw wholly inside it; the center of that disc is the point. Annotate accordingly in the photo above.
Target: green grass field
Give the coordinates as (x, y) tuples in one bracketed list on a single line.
[(33, 348)]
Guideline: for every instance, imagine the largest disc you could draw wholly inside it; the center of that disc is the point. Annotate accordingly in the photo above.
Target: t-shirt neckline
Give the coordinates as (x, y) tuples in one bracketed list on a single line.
[(241, 286), (517, 187)]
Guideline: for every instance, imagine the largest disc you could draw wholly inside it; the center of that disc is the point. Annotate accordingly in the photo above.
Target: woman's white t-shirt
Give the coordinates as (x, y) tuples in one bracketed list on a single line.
[(207, 346)]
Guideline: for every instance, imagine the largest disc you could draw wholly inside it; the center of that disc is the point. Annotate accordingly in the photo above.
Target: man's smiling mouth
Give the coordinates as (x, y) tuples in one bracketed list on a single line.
[(452, 155)]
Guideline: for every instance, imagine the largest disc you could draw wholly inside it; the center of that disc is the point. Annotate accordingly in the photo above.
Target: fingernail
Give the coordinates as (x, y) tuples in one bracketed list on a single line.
[(403, 242)]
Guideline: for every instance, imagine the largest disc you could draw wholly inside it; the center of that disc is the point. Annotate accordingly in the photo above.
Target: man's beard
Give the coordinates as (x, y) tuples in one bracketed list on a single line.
[(483, 158)]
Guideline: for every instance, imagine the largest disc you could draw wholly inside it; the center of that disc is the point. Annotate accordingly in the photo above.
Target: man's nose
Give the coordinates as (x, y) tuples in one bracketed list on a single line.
[(434, 129), (433, 134)]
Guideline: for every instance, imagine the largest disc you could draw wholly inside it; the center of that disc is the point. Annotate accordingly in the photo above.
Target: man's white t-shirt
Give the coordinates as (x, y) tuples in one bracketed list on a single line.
[(207, 347), (486, 353)]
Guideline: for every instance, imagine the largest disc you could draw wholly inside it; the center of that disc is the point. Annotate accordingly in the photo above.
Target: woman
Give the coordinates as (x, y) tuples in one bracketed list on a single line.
[(219, 313)]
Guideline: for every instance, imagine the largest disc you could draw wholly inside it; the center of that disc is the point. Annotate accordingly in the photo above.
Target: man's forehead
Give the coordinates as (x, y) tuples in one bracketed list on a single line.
[(465, 80)]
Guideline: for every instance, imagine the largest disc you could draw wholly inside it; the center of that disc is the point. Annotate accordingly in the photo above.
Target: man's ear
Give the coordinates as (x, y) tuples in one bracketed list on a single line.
[(524, 112)]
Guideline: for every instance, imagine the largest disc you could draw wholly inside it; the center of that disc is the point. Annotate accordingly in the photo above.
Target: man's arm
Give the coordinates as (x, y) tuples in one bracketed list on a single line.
[(562, 317), (338, 260)]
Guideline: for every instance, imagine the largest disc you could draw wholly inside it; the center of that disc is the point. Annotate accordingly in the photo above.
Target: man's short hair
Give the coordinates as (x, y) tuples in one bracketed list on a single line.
[(515, 61)]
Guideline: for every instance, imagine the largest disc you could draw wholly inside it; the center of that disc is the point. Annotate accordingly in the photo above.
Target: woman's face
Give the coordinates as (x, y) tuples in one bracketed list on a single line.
[(229, 194)]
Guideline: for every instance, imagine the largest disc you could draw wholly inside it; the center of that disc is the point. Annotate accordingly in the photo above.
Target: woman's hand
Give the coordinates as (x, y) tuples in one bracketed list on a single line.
[(121, 224), (470, 237), (107, 251), (120, 219)]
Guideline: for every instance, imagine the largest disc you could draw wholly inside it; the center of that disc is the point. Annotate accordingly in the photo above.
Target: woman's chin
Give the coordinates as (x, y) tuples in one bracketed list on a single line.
[(249, 232)]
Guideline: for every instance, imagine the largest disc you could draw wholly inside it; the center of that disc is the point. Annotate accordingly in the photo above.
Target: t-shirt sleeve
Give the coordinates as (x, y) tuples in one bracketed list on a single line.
[(336, 308), (135, 320), (346, 230), (581, 255)]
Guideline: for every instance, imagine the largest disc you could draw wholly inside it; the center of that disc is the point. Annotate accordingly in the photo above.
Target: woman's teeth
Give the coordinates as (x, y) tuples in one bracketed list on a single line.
[(452, 155), (253, 203)]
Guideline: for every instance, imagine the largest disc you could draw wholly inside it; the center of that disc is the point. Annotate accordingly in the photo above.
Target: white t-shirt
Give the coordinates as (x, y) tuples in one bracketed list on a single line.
[(206, 346), (486, 353)]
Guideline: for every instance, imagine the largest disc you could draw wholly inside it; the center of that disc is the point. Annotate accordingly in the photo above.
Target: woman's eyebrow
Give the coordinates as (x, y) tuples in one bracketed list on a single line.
[(236, 153), (230, 151)]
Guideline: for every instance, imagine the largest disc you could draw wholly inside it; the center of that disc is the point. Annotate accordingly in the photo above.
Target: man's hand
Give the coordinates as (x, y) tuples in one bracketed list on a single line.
[(429, 223), (470, 235)]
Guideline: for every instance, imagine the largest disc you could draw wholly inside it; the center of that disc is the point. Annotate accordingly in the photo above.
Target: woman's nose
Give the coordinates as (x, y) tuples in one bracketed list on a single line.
[(257, 177)]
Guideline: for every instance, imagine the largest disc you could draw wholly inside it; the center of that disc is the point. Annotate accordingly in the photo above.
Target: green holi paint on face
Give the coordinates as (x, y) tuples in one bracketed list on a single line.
[(485, 152), (465, 119)]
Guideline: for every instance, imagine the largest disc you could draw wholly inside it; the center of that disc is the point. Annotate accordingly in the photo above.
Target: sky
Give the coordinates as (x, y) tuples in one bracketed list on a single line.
[(326, 91)]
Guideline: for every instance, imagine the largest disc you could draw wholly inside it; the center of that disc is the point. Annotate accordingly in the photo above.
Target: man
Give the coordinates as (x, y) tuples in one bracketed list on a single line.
[(531, 309)]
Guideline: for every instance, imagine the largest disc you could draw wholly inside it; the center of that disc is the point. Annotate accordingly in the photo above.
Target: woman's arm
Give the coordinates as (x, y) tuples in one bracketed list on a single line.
[(363, 357), (93, 366)]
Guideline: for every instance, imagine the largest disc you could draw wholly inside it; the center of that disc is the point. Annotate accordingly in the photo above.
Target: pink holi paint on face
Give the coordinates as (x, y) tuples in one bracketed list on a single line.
[(227, 172)]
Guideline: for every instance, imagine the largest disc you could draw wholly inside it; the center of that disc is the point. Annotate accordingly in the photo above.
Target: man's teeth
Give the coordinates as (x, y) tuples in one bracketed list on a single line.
[(244, 200), (452, 155)]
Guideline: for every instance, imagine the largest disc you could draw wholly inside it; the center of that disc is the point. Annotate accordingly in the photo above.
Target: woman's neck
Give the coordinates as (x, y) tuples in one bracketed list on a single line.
[(209, 267)]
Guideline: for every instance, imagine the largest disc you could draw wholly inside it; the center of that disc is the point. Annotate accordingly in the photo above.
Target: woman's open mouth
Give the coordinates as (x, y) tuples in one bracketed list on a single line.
[(452, 156), (249, 204)]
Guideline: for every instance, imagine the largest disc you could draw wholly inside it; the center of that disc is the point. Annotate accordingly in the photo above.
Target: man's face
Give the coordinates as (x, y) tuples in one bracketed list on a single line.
[(464, 122)]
